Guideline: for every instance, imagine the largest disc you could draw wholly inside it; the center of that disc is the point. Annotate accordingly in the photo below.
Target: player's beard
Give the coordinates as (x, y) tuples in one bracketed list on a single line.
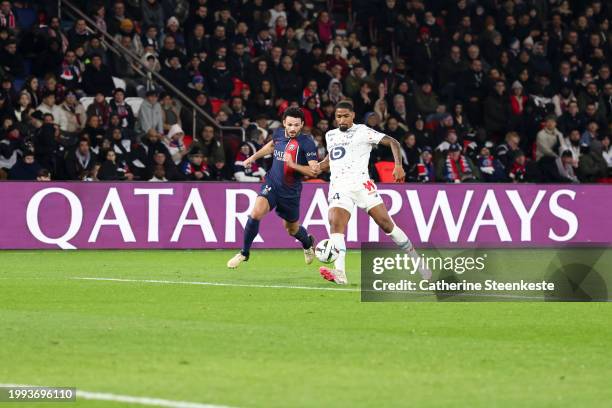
[(343, 128)]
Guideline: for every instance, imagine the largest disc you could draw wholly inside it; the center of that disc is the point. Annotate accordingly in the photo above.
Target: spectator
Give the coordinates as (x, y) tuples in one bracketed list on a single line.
[(23, 109), (473, 90), (507, 150), (94, 131), (251, 172), (325, 27), (592, 165), (114, 19), (548, 138), (43, 175), (213, 152), (571, 119), (100, 108), (159, 174), (8, 19), (152, 14), (497, 112), (46, 144), (26, 169), (174, 72), (591, 135), (197, 43), (170, 112), (194, 167), (71, 71), (32, 88), (174, 30), (73, 118), (160, 159), (426, 101), (572, 143), (518, 169), (97, 78), (410, 157), (151, 114), (221, 84), (563, 169), (12, 60), (426, 172), (490, 168), (123, 110), (289, 83), (48, 106), (112, 170), (80, 161), (78, 34), (175, 144), (455, 168)]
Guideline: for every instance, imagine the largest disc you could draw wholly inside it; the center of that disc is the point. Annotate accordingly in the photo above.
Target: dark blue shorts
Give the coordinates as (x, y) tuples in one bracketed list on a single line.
[(288, 208)]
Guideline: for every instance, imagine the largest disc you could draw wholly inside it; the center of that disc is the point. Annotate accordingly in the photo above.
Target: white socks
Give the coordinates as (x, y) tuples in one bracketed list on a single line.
[(401, 239), (338, 241)]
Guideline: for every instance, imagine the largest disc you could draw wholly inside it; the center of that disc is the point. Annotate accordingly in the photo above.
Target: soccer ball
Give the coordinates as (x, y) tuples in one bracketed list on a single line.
[(326, 252)]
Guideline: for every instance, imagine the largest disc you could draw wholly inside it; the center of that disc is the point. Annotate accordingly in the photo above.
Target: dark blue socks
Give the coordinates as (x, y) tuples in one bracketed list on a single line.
[(250, 232), (302, 236)]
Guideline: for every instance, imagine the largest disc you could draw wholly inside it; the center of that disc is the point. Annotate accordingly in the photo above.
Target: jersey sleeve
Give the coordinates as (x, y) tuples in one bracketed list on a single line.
[(371, 136), (309, 148)]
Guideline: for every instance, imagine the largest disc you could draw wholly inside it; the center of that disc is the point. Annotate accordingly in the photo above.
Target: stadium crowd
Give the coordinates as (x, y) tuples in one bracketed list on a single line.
[(491, 90)]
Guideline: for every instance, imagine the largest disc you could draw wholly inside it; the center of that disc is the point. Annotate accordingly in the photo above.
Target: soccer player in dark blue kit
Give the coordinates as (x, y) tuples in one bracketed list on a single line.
[(295, 156)]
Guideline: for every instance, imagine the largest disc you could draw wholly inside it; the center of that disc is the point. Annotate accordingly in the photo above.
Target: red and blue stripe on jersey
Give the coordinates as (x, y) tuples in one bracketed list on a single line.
[(301, 148)]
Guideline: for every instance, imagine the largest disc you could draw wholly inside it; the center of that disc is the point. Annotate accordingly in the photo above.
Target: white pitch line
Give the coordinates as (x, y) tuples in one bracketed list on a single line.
[(154, 402), (238, 285)]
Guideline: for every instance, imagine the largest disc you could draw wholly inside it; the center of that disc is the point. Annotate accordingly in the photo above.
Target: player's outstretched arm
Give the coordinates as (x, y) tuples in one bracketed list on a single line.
[(398, 171), (311, 170), (264, 151)]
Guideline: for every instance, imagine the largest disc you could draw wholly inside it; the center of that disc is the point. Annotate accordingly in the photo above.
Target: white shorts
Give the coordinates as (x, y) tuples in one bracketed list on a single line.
[(363, 195)]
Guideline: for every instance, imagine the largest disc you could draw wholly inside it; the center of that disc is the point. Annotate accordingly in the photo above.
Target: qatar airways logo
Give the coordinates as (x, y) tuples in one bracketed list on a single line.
[(504, 215), (545, 205)]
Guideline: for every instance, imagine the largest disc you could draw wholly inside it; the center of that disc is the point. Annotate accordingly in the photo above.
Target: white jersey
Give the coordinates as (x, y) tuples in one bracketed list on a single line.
[(349, 155)]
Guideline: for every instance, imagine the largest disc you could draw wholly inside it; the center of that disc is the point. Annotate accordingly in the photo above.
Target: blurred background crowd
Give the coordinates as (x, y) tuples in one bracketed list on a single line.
[(489, 91)]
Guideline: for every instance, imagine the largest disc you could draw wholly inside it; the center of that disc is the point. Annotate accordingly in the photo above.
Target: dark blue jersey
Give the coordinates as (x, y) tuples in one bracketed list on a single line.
[(286, 181)]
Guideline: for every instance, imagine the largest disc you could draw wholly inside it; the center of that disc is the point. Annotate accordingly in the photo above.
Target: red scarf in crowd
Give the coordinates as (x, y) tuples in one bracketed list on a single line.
[(453, 171), (7, 21)]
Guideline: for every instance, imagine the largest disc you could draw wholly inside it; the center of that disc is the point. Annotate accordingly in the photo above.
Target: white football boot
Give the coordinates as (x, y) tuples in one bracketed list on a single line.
[(309, 254), (236, 260)]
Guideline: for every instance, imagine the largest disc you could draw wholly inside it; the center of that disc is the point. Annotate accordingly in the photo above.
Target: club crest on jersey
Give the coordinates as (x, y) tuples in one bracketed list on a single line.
[(291, 147), (337, 152)]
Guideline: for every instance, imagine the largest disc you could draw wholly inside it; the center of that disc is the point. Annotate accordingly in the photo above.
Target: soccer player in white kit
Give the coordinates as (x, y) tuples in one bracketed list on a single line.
[(349, 148)]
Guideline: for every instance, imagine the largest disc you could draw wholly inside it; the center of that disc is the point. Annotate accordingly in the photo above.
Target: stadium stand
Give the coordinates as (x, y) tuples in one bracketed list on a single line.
[(522, 88)]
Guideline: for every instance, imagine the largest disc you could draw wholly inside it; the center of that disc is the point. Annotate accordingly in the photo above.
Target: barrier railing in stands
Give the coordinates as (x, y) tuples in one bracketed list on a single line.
[(149, 74)]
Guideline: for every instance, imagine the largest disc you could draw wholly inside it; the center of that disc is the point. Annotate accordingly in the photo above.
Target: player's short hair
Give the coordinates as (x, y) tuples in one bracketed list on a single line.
[(294, 113), (345, 105)]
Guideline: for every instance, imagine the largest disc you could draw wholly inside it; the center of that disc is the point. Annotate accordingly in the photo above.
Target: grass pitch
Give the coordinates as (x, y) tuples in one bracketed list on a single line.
[(256, 346)]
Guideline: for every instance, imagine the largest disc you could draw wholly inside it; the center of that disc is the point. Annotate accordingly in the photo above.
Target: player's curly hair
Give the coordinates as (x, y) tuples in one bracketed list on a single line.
[(294, 113)]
